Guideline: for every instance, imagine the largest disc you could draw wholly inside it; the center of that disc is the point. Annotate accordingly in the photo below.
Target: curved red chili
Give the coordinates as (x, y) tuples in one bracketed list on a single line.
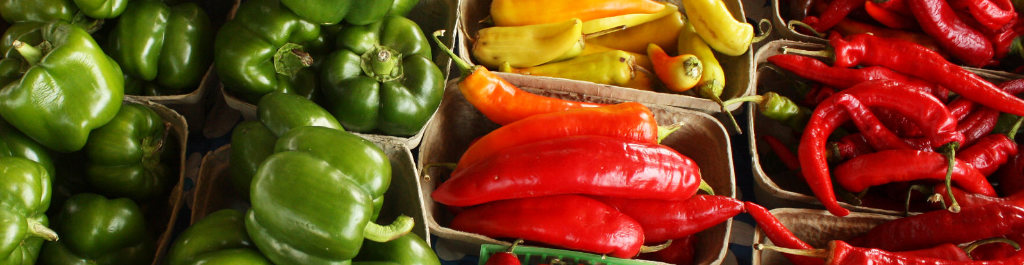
[(680, 252), (782, 151), (889, 18), (968, 200), (989, 153), (665, 220), (843, 77), (836, 11), (904, 165), (978, 124), (1011, 175), (993, 15), (593, 165), (779, 234), (938, 19), (842, 253), (937, 227), (569, 221)]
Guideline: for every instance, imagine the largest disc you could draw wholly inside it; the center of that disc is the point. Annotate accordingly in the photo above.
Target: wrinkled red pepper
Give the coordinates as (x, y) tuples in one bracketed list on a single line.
[(568, 221), (842, 253), (937, 227), (889, 18), (850, 27), (1011, 175), (989, 153), (938, 19), (665, 220), (991, 14), (978, 124), (593, 165), (842, 77), (837, 10), (903, 165)]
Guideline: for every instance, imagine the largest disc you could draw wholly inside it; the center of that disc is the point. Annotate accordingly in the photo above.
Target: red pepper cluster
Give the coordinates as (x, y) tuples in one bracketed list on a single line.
[(977, 33), (592, 179)]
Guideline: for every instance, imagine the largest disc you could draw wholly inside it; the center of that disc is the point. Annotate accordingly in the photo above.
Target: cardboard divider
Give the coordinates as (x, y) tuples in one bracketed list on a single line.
[(702, 138), (816, 227)]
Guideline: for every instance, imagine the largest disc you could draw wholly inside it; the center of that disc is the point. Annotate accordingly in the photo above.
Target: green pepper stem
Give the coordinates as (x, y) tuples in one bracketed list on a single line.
[(1016, 126), (1017, 47), (722, 105), (514, 245), (970, 248), (655, 248), (290, 59), (793, 24), (427, 167), (951, 158), (31, 54), (910, 191), (754, 98), (463, 65), (706, 188), (817, 253), (665, 131), (378, 233), (38, 229), (765, 31), (382, 64)]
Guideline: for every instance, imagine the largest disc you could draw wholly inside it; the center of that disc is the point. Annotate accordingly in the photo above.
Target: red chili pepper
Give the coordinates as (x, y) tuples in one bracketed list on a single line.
[(782, 151), (1013, 87), (506, 257), (842, 77), (818, 94), (836, 11), (916, 61), (927, 111), (842, 253), (989, 153), (971, 200), (937, 227), (960, 108), (850, 146), (940, 21), (680, 252), (978, 124), (779, 234), (899, 6), (628, 121), (593, 165), (889, 18), (568, 221), (1011, 175), (1005, 38), (851, 27), (901, 125), (993, 15), (943, 251), (665, 220), (997, 251), (902, 165)]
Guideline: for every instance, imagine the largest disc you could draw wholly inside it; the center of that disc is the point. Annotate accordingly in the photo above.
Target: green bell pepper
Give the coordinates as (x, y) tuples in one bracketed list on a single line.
[(305, 211), (65, 93), (236, 256), (102, 9), (251, 143), (59, 10), (95, 230), (262, 48), (382, 79), (374, 263), (359, 158), (25, 191), (281, 112), (15, 144), (409, 249), (27, 32), (219, 231), (354, 12), (171, 45), (131, 156)]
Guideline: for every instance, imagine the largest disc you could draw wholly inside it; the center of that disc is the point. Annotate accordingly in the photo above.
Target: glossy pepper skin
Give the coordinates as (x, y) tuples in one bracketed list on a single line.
[(666, 220), (88, 83), (26, 192), (14, 11), (596, 227), (15, 144), (251, 143), (585, 164), (97, 230), (918, 231), (262, 49), (611, 68), (409, 249), (939, 20), (132, 155), (382, 78), (532, 12), (217, 232), (354, 12), (170, 45), (899, 165), (715, 24), (289, 189), (281, 112), (779, 234)]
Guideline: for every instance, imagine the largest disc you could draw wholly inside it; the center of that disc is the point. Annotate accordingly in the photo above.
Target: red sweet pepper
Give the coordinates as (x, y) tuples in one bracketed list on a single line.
[(568, 221), (938, 19), (593, 165), (937, 227), (666, 220), (991, 14)]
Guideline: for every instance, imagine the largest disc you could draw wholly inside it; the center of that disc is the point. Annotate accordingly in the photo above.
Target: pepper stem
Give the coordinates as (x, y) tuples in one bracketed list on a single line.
[(378, 233), (655, 248), (290, 59), (950, 153), (793, 24), (427, 167), (38, 229), (764, 26), (970, 248), (722, 105), (706, 188), (382, 64), (754, 98), (463, 65), (1016, 126), (910, 192), (31, 54), (816, 253), (665, 131), (514, 245)]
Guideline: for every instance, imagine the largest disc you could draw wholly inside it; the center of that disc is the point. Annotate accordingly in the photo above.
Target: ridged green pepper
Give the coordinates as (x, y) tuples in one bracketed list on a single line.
[(235, 256), (65, 93), (171, 45), (305, 211), (355, 12), (281, 112), (220, 236), (97, 230), (251, 143), (59, 10), (25, 193), (262, 48), (382, 79), (132, 155), (409, 249), (15, 144), (359, 158)]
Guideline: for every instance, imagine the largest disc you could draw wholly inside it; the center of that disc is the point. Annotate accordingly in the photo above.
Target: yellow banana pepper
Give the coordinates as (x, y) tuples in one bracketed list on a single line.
[(712, 81), (641, 58), (626, 21), (662, 31), (532, 12), (526, 46), (716, 25), (611, 67)]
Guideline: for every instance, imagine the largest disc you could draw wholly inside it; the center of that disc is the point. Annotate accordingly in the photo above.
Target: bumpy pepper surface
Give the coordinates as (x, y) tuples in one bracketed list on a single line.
[(59, 10), (219, 236), (25, 194), (263, 48), (65, 93), (133, 155), (354, 12), (382, 78), (97, 230), (171, 45)]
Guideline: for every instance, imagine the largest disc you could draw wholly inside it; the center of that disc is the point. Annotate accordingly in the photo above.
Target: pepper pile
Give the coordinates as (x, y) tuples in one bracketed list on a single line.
[(977, 33), (554, 160)]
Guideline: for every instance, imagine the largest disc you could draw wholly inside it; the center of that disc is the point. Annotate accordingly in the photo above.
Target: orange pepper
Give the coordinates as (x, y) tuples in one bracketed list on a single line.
[(678, 73), (530, 12)]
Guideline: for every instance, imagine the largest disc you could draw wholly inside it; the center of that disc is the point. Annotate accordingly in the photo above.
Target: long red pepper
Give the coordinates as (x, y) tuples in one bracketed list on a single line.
[(850, 146), (997, 251), (629, 121), (916, 61), (842, 253), (937, 227), (779, 234), (989, 153), (889, 18), (593, 165), (938, 19), (1011, 175), (569, 221), (992, 14), (944, 251), (843, 77), (851, 27), (977, 124), (665, 220), (969, 200), (899, 6), (782, 151), (902, 165), (836, 11)]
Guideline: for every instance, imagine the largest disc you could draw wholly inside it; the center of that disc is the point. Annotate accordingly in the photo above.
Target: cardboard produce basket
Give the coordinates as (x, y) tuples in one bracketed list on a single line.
[(776, 186), (458, 123), (431, 15), (816, 227), (738, 69), (214, 190)]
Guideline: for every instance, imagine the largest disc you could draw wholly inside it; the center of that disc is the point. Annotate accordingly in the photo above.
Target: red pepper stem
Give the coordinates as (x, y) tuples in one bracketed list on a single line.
[(754, 98), (665, 131), (793, 24), (919, 188), (656, 248), (764, 26), (514, 245), (970, 248), (1016, 126), (822, 54), (463, 65), (38, 229), (817, 253), (706, 188), (426, 168), (951, 157)]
